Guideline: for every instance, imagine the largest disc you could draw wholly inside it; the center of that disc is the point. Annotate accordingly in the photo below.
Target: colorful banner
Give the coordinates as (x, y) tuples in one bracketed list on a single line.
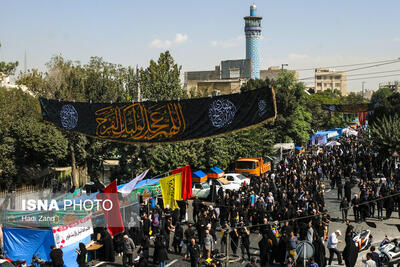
[(350, 108), (171, 187), (362, 117), (186, 181), (128, 188), (163, 121), (112, 212), (66, 235)]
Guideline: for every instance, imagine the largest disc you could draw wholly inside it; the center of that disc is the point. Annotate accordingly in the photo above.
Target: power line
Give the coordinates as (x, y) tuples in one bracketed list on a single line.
[(348, 65), (374, 77), (367, 67), (369, 73)]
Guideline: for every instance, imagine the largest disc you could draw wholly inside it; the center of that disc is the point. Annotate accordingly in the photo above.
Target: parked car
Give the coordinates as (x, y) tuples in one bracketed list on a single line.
[(225, 184), (237, 178), (5, 263), (202, 190)]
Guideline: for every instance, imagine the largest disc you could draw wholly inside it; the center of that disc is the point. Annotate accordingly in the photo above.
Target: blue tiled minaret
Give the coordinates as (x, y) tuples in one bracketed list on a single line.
[(252, 29)]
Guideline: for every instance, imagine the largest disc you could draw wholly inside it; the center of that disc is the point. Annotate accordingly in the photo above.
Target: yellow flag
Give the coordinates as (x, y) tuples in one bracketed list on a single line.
[(171, 189)]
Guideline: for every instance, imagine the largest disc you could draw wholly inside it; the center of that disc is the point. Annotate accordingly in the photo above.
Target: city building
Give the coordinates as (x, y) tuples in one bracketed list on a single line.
[(6, 83), (273, 72), (326, 79), (366, 93), (392, 85)]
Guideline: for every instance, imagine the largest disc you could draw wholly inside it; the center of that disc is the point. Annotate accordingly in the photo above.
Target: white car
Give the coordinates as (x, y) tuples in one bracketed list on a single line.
[(4, 263), (202, 190), (237, 178), (225, 184)]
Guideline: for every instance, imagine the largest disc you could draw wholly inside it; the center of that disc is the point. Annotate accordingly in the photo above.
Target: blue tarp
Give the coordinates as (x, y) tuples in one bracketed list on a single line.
[(321, 138), (70, 254), (198, 174), (22, 244), (215, 170), (298, 148)]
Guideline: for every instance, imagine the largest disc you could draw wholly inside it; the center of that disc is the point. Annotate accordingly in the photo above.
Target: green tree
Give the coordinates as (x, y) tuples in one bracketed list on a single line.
[(389, 106), (161, 81), (8, 68), (380, 95), (385, 134)]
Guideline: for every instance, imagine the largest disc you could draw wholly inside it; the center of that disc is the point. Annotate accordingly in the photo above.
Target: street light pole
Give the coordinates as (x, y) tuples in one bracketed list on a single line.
[(362, 89)]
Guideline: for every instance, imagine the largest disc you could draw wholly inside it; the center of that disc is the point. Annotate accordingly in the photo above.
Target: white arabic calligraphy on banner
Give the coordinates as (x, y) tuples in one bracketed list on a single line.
[(66, 235)]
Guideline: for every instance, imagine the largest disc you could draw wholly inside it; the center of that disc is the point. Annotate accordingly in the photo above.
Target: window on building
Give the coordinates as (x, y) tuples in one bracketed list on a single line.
[(326, 84), (319, 84), (318, 77), (234, 73), (338, 77), (337, 84)]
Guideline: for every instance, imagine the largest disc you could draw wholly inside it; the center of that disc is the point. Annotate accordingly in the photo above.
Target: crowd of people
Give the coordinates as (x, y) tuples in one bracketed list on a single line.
[(285, 207)]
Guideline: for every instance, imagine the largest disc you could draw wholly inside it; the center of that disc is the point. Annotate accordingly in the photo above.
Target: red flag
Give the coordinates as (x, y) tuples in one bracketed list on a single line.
[(186, 181), (362, 117), (113, 216)]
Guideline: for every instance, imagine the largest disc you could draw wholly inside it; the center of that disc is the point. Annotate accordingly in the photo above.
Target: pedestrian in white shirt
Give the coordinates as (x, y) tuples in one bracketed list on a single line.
[(370, 262), (332, 246)]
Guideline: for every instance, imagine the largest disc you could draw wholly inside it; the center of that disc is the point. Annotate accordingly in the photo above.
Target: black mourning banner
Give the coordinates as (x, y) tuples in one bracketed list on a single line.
[(163, 121), (350, 108)]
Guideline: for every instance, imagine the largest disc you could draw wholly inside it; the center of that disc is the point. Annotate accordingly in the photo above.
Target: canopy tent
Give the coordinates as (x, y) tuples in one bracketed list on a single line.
[(299, 150), (321, 138), (284, 146), (22, 244), (199, 177), (338, 130), (215, 172), (349, 131), (332, 143)]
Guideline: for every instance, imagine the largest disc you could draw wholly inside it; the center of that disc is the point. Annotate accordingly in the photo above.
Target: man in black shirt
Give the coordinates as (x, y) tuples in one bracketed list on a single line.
[(196, 208), (194, 253), (56, 256)]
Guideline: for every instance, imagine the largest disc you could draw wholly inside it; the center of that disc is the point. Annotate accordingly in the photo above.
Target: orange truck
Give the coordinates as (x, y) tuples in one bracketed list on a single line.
[(252, 166)]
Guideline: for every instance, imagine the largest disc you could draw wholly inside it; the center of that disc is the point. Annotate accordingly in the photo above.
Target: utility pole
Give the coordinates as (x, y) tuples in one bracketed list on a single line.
[(227, 249), (139, 95), (283, 65), (362, 90), (25, 62)]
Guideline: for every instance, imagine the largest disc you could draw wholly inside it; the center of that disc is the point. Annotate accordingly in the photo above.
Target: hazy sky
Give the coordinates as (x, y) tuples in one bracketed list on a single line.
[(199, 34)]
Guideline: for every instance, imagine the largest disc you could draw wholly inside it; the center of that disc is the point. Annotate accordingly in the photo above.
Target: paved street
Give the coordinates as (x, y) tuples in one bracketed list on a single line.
[(386, 227)]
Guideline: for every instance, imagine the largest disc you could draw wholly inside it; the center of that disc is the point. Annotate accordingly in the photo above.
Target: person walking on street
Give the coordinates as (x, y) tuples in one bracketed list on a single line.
[(194, 253), (332, 246), (370, 262), (208, 244), (129, 247), (344, 207)]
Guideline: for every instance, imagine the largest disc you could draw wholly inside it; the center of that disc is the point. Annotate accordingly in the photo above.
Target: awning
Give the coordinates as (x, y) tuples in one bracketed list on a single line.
[(215, 170), (199, 174)]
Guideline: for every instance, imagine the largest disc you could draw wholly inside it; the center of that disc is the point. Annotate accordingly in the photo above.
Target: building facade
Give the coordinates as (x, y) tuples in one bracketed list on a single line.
[(272, 73), (392, 85), (326, 79)]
